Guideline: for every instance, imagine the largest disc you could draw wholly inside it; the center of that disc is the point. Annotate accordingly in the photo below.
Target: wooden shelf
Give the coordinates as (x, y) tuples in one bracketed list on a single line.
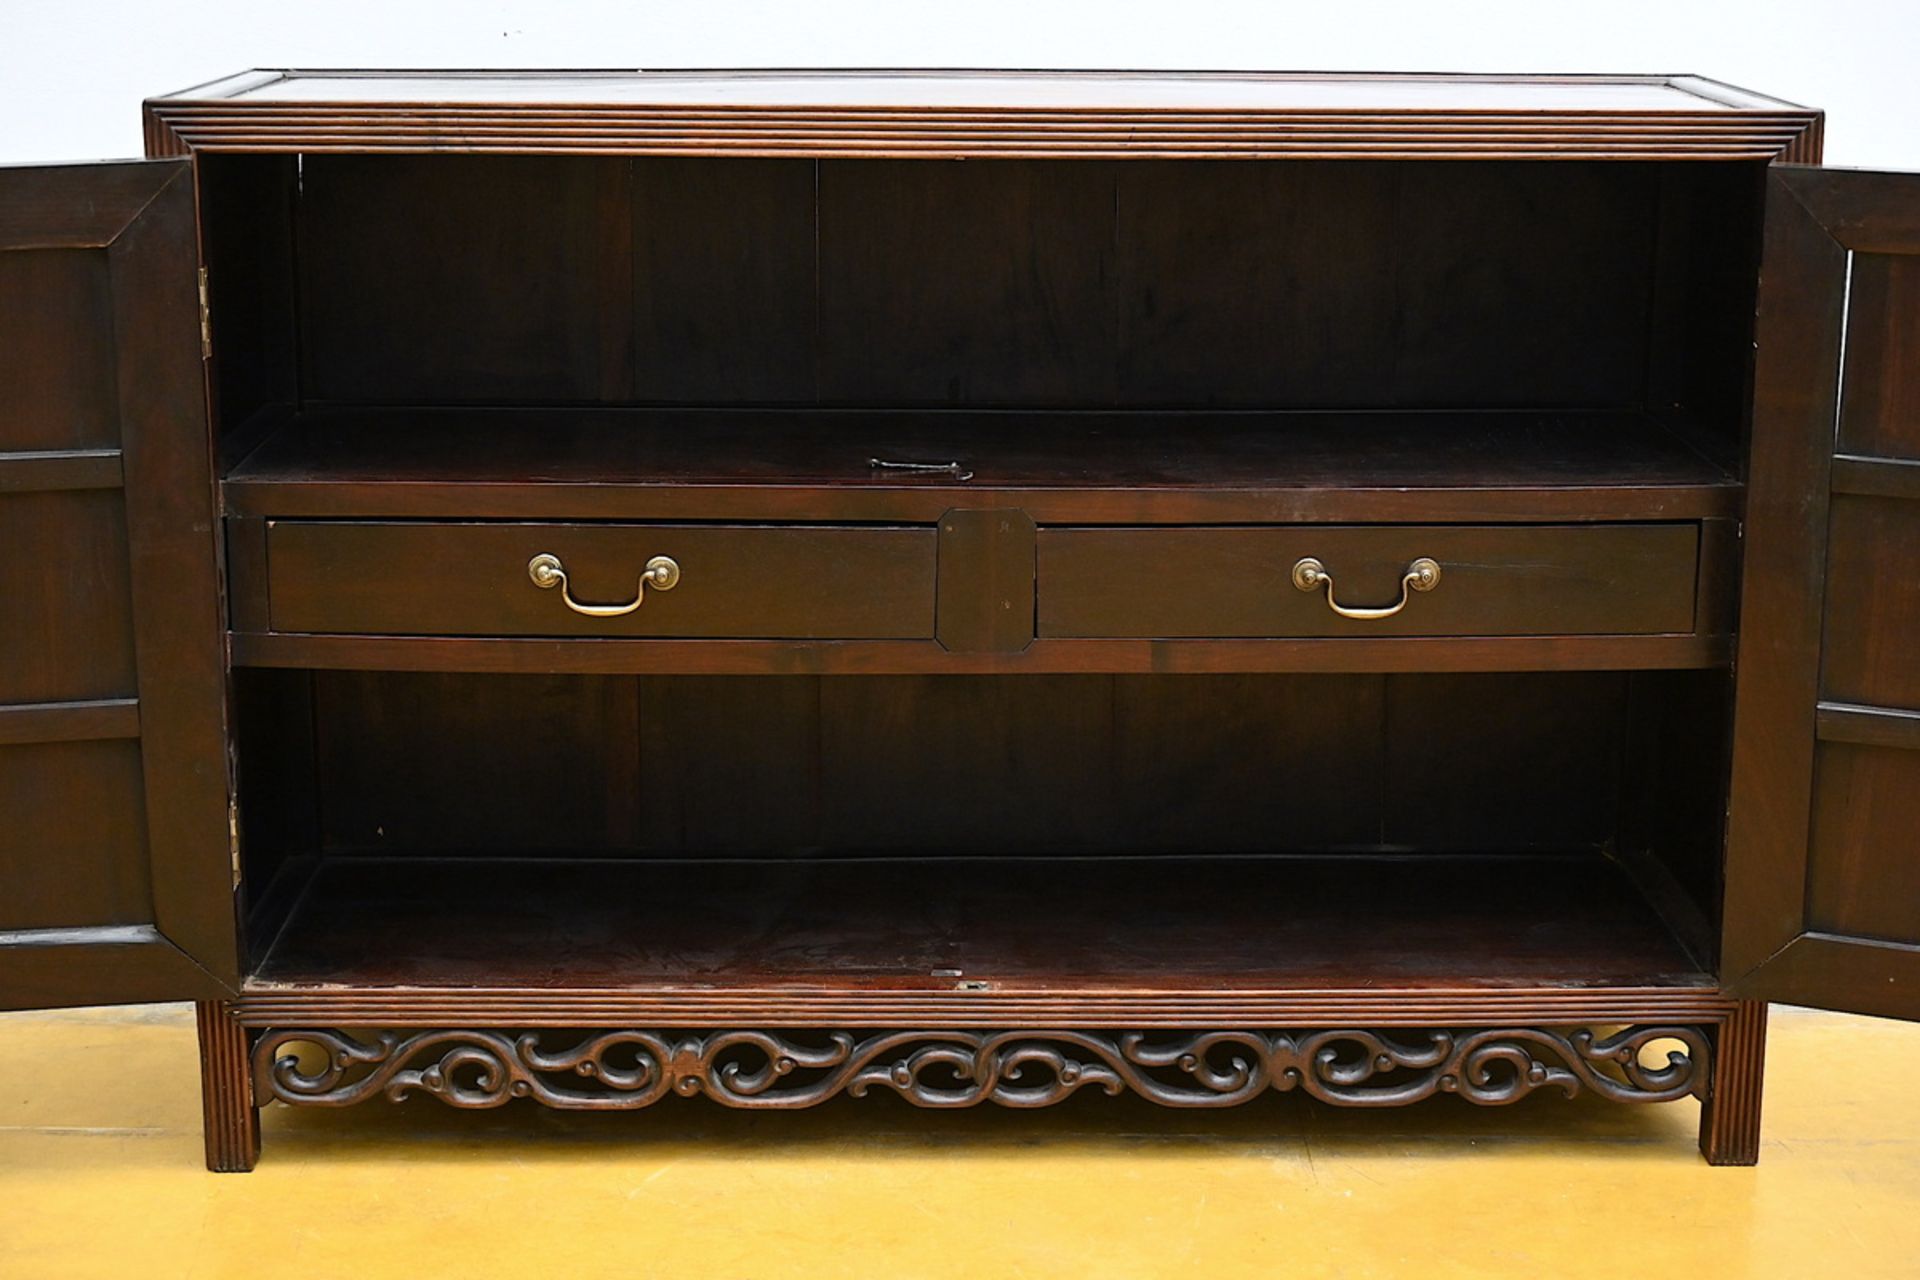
[(1006, 928), (1060, 467)]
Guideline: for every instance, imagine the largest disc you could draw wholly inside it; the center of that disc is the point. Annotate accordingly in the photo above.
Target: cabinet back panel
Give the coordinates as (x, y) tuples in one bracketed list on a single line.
[(523, 763), (723, 281), (767, 765), (475, 279), (465, 278)]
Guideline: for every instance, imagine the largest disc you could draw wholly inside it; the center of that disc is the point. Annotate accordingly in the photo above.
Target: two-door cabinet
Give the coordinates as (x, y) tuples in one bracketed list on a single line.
[(974, 586)]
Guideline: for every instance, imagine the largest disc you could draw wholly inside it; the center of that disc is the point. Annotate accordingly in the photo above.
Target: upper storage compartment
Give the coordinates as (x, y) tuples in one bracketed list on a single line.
[(473, 280), (1082, 344), (1489, 330)]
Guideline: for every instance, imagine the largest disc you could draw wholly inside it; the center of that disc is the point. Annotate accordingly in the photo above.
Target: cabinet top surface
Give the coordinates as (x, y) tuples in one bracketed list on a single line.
[(1262, 91), (946, 114)]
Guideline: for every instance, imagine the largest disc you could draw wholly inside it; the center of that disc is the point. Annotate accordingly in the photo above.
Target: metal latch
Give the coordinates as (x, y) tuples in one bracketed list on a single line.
[(953, 469), (206, 320)]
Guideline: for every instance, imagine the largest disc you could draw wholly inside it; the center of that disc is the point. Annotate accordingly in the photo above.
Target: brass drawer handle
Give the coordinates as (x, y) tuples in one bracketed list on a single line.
[(662, 574), (1422, 575)]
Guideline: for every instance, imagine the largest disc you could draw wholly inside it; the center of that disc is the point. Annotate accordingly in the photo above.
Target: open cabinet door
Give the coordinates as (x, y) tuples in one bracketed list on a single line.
[(116, 883), (1823, 856)]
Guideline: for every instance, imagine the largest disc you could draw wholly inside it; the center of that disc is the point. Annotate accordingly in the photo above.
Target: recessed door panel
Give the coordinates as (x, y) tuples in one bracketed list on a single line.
[(116, 882), (1823, 857)]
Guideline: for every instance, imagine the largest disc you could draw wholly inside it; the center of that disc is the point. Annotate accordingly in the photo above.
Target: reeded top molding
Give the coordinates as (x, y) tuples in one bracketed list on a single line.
[(958, 114)]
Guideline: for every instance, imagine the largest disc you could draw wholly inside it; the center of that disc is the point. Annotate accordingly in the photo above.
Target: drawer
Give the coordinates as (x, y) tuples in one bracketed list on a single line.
[(810, 582), (1493, 580)]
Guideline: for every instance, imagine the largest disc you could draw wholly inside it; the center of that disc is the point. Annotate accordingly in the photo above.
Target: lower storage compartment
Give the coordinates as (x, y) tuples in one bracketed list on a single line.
[(1001, 837), (989, 925)]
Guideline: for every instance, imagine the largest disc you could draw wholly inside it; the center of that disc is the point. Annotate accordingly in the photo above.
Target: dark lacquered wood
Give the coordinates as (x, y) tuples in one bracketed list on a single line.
[(1065, 763), (1706, 257), (277, 815), (717, 297), (1796, 372), (1872, 611), (956, 284), (548, 237), (248, 244), (1819, 870), (1059, 467), (1056, 284), (1876, 477), (1862, 878), (752, 228), (246, 574), (418, 762), (985, 589), (76, 836), (87, 721), (1031, 923), (114, 872), (1730, 1113), (1868, 726), (59, 647), (1673, 814), (915, 657), (57, 398), (231, 1116), (1436, 286), (1880, 410), (1516, 580), (955, 114), (736, 581), (699, 1005)]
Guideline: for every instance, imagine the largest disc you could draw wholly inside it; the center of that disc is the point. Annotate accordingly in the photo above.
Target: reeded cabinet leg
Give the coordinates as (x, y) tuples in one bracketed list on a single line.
[(1730, 1118), (232, 1122)]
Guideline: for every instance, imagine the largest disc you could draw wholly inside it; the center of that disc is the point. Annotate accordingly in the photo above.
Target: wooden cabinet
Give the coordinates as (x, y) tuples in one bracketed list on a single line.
[(585, 587)]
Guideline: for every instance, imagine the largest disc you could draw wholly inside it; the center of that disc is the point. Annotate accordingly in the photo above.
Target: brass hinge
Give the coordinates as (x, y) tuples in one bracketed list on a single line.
[(206, 320), (233, 838)]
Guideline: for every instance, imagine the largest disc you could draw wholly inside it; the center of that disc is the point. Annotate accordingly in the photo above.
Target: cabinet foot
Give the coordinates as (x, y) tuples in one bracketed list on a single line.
[(230, 1118), (1730, 1115)]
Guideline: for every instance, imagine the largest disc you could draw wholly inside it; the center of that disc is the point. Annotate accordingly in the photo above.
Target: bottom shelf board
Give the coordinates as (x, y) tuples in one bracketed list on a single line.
[(1189, 922)]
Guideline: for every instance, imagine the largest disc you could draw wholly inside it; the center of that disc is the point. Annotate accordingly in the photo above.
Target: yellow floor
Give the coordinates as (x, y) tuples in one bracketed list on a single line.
[(100, 1176)]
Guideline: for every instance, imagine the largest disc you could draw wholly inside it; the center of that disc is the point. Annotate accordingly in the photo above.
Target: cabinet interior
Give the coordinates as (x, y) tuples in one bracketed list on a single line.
[(502, 327), (418, 827)]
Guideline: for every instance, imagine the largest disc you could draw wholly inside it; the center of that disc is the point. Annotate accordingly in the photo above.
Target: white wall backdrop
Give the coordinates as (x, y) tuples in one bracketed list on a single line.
[(72, 73)]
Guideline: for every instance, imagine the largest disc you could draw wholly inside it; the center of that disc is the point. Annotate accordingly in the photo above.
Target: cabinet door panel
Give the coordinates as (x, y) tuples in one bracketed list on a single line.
[(56, 398), (1863, 878), (115, 877), (1823, 857), (1871, 647), (66, 630), (75, 818), (1880, 412)]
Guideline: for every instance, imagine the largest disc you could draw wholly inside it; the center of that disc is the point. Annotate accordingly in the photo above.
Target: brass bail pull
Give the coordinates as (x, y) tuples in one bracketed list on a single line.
[(662, 574), (1422, 575)]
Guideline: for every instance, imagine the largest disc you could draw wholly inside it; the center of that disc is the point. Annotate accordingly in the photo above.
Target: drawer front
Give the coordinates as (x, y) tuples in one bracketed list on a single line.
[(1493, 580), (774, 582)]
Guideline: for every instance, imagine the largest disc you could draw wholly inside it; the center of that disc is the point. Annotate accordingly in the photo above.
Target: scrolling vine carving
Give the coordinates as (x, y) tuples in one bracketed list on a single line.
[(623, 1070)]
